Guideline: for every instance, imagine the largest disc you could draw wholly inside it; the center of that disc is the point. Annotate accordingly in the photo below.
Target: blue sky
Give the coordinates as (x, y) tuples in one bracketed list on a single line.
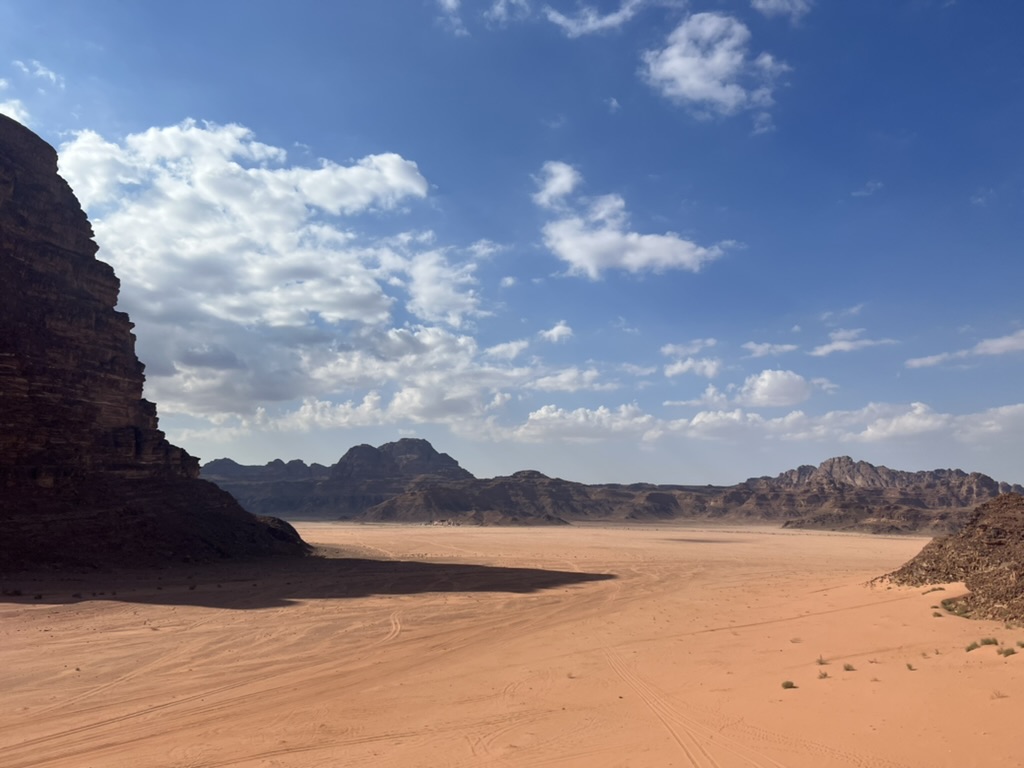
[(613, 241)]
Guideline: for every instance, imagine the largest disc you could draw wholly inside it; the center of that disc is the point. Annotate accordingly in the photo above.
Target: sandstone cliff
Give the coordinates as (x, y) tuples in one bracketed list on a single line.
[(85, 473), (363, 477)]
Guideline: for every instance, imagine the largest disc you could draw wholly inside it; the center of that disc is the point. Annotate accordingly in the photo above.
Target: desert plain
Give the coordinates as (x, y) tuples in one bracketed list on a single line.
[(407, 646)]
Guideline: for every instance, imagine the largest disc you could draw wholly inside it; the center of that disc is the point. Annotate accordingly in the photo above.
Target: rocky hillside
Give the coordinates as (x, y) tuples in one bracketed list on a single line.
[(375, 484), (987, 554), (86, 475), (364, 477)]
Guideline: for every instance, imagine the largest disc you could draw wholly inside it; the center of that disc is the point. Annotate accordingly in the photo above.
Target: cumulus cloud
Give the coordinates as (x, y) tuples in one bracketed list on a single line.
[(848, 340), (589, 20), (1002, 345), (571, 380), (707, 367), (792, 8), (593, 236), (757, 349), (560, 331), (508, 350), (773, 388), (706, 66), (556, 181), (251, 284), (16, 110), (583, 424)]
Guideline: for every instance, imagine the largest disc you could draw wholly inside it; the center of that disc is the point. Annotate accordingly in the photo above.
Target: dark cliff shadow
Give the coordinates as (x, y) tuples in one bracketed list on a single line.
[(279, 582)]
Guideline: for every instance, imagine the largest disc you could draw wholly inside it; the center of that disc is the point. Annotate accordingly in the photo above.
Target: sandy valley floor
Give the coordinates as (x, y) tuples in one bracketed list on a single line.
[(573, 646)]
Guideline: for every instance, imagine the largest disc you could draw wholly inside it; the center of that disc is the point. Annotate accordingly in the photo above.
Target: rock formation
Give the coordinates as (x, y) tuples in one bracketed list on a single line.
[(370, 484), (987, 555), (363, 477), (85, 473)]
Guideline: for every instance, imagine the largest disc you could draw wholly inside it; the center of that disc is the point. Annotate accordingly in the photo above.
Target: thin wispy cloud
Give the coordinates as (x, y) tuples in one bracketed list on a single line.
[(1002, 345)]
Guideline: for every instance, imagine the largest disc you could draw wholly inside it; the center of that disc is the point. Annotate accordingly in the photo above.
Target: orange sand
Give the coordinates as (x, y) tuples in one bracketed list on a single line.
[(676, 661)]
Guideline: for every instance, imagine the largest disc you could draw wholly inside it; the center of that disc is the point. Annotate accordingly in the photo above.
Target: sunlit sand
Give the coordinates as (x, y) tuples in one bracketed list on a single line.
[(581, 646)]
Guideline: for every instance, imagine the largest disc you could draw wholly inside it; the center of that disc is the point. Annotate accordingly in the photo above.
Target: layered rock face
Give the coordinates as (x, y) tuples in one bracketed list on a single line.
[(364, 477), (85, 472), (987, 555), (409, 481)]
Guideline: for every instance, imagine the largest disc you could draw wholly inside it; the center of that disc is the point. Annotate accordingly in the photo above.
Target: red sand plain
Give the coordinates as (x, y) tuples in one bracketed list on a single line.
[(574, 646)]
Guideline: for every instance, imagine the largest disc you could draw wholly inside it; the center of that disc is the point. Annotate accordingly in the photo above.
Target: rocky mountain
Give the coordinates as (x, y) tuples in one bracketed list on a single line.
[(987, 554), (86, 474), (364, 477), (371, 484)]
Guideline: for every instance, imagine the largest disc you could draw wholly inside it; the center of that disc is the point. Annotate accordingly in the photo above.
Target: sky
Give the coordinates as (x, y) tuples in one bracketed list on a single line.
[(675, 241)]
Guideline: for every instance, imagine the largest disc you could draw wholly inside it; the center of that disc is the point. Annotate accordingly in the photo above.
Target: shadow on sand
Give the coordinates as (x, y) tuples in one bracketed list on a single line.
[(692, 540), (279, 582)]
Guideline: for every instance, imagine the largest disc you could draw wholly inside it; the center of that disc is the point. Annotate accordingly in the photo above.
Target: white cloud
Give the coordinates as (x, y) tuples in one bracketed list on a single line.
[(869, 188), (588, 20), (690, 348), (757, 349), (792, 8), (583, 424), (1002, 345), (712, 397), (450, 16), (571, 380), (613, 104), (596, 238), (36, 69), (708, 367), (705, 65), (557, 180), (848, 340), (508, 281), (503, 11), (15, 110), (835, 314), (251, 286), (560, 331), (440, 291), (509, 350), (773, 388)]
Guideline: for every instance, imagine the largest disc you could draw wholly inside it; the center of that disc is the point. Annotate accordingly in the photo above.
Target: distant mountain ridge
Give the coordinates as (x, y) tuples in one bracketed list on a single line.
[(409, 481)]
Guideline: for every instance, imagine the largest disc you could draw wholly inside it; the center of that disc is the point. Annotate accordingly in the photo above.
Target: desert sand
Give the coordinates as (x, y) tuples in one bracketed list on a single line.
[(581, 646)]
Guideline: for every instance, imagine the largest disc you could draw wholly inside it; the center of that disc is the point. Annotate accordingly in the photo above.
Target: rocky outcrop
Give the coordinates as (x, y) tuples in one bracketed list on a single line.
[(987, 555), (364, 477), (85, 472), (839, 494)]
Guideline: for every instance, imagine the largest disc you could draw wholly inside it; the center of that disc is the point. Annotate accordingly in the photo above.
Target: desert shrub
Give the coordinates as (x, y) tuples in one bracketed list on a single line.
[(822, 674), (973, 647), (989, 641), (822, 661), (849, 668), (787, 684), (1008, 651)]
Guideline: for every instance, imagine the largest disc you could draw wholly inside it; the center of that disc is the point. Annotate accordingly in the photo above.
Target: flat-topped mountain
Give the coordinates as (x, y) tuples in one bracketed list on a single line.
[(409, 481), (86, 475)]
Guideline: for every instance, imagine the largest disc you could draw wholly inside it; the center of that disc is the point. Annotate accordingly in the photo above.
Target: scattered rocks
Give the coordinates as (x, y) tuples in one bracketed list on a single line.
[(987, 555)]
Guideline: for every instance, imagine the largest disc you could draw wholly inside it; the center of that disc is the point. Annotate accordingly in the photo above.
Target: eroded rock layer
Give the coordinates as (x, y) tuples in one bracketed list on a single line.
[(85, 473)]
